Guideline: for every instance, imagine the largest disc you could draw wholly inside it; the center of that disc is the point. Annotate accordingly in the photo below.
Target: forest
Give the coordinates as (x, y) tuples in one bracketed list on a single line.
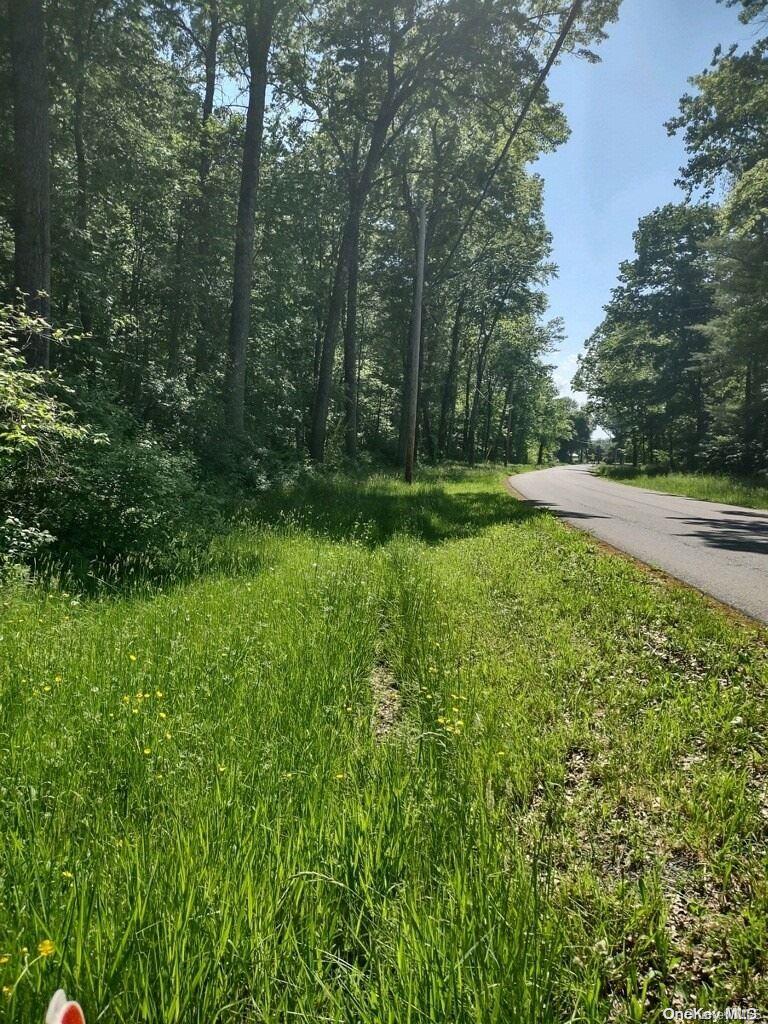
[(678, 369), (238, 239)]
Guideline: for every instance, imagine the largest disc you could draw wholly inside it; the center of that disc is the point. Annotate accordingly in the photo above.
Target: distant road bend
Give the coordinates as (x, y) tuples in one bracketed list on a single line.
[(720, 549)]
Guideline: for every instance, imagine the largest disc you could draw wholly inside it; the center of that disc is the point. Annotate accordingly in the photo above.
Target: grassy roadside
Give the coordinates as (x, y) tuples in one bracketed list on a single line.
[(395, 755), (726, 490)]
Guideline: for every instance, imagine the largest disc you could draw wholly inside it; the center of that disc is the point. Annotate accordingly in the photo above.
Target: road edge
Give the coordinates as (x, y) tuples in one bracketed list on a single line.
[(753, 624)]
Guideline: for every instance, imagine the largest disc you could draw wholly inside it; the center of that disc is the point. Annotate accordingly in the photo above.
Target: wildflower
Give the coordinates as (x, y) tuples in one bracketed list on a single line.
[(132, 657), (340, 775), (7, 991), (222, 767), (57, 679), (46, 947), (4, 959), (167, 735), (147, 751), (459, 722), (126, 699), (163, 714), (24, 950), (158, 693), (46, 688), (67, 874)]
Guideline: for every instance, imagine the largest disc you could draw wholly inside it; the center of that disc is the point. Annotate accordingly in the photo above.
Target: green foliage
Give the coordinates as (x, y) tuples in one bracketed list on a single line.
[(121, 499), (86, 493), (36, 432)]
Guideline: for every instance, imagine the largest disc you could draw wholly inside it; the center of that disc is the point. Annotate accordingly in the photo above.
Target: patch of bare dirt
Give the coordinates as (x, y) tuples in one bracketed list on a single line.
[(386, 700)]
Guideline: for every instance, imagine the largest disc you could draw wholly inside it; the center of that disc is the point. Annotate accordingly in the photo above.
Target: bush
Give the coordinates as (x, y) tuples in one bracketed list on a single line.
[(121, 498), (82, 495), (36, 430)]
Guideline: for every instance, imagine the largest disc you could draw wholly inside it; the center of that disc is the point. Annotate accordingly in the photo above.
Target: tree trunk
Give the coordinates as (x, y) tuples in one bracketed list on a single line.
[(81, 43), (322, 400), (204, 318), (350, 341), (499, 436), (467, 394), (32, 219), (487, 424), (412, 366), (259, 36), (475, 407), (448, 398), (359, 190), (177, 299)]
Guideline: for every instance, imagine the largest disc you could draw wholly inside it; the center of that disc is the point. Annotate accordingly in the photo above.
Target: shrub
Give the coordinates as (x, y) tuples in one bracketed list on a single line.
[(36, 431)]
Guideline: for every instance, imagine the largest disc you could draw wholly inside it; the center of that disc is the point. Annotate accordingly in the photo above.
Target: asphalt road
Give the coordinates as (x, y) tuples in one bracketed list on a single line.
[(720, 549)]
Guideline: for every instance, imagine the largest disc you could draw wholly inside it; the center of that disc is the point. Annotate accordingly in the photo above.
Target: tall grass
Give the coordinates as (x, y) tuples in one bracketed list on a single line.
[(198, 817), (719, 487)]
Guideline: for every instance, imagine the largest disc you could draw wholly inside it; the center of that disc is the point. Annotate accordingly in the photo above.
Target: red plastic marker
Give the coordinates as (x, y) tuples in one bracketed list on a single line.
[(64, 1011)]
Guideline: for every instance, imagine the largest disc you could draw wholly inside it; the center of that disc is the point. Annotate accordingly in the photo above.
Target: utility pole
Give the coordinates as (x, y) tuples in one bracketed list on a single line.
[(411, 395)]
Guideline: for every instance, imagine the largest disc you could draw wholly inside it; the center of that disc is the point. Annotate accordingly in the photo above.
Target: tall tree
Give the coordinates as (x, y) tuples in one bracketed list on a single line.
[(259, 17), (32, 222)]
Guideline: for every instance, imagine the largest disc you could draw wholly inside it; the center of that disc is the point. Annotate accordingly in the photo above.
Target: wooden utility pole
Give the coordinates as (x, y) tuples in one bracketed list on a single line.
[(411, 390)]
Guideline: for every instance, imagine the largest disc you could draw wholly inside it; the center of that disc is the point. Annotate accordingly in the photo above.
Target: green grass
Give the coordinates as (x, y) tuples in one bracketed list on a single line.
[(727, 490), (564, 821)]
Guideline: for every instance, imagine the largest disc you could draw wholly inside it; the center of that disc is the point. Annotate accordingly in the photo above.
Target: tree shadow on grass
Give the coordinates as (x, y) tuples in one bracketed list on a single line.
[(370, 511), (373, 512)]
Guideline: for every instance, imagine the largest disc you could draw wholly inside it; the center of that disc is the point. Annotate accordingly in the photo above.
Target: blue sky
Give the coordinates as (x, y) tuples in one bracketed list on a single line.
[(619, 163)]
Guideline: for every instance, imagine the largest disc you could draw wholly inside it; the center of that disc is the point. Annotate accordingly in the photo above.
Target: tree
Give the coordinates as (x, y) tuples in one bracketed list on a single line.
[(32, 221), (258, 23)]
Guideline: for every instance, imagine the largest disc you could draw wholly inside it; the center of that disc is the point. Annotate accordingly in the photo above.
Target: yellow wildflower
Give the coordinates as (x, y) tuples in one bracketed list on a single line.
[(67, 874), (340, 775), (158, 693), (4, 959), (7, 991), (46, 947), (147, 751), (163, 714), (132, 657)]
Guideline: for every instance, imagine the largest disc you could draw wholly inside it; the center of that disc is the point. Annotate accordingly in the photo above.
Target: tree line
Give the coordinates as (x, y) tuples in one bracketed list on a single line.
[(678, 369), (238, 234)]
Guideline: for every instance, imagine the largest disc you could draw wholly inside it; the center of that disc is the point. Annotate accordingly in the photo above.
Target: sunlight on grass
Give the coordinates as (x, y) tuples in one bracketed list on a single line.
[(723, 489), (196, 813)]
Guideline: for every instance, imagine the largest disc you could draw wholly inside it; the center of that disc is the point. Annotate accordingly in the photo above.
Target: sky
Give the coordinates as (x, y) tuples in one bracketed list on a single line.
[(619, 162)]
